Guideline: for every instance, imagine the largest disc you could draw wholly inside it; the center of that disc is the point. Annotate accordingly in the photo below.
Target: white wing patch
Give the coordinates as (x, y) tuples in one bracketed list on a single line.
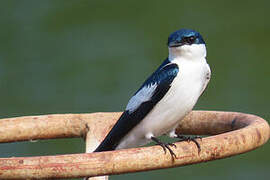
[(141, 96)]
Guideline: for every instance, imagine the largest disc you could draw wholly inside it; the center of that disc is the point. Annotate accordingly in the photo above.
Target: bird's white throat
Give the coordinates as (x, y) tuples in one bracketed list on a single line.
[(194, 51)]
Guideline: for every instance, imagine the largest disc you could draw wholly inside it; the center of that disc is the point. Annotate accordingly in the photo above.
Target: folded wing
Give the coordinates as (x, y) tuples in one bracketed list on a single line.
[(143, 101)]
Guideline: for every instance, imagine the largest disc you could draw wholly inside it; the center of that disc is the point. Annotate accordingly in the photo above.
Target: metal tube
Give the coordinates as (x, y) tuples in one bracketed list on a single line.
[(240, 133)]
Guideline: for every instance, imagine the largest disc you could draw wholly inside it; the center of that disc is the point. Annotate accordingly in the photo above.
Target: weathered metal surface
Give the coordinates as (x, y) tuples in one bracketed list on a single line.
[(240, 133), (42, 127)]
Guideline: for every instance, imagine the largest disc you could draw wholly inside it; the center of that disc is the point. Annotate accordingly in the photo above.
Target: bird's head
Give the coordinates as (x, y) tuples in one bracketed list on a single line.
[(186, 43)]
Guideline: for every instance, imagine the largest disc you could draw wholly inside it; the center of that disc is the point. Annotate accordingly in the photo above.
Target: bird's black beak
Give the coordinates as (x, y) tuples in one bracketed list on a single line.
[(175, 44)]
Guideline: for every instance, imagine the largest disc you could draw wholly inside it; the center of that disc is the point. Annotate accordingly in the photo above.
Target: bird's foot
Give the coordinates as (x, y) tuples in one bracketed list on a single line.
[(189, 138), (165, 146)]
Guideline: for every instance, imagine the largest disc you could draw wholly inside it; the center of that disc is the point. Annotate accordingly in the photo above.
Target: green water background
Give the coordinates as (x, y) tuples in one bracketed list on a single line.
[(91, 56)]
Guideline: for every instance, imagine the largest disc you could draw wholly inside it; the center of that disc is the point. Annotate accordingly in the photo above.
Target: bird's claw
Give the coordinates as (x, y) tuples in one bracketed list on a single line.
[(189, 138), (171, 144), (166, 146)]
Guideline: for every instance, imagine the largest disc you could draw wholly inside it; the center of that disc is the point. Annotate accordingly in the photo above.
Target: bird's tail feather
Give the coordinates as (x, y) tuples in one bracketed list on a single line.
[(105, 145)]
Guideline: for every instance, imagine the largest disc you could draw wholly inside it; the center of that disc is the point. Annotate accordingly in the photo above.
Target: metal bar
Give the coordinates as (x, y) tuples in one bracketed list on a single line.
[(240, 133)]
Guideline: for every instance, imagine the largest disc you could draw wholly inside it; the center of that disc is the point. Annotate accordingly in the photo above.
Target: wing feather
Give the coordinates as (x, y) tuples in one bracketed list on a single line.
[(143, 101)]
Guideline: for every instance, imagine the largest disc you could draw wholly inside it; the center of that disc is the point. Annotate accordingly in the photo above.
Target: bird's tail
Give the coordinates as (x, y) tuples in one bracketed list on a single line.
[(114, 137), (106, 145)]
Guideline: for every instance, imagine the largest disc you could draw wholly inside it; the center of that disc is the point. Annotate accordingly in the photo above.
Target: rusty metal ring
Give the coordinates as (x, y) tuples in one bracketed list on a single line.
[(231, 134)]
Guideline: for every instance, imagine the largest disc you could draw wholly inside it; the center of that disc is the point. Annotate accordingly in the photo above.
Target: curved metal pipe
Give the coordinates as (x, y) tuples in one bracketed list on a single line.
[(240, 133)]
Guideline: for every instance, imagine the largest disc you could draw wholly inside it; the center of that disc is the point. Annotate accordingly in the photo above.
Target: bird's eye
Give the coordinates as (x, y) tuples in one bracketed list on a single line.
[(189, 40)]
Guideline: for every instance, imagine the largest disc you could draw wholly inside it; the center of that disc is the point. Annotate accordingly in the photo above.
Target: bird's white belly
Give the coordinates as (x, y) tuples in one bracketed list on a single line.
[(178, 101)]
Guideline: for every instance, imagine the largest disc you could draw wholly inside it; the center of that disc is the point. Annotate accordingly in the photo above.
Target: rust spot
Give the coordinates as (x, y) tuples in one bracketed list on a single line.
[(21, 161), (243, 138), (185, 149), (258, 135), (236, 141), (215, 153), (184, 157)]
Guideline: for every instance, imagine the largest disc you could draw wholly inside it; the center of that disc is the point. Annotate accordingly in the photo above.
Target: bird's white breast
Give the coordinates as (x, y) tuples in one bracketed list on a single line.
[(178, 101)]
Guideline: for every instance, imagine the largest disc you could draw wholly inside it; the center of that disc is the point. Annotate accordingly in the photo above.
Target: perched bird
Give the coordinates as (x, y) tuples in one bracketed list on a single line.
[(165, 97)]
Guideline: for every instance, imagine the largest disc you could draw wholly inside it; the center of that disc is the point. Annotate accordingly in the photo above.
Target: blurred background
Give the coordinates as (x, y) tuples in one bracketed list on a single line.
[(91, 56)]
